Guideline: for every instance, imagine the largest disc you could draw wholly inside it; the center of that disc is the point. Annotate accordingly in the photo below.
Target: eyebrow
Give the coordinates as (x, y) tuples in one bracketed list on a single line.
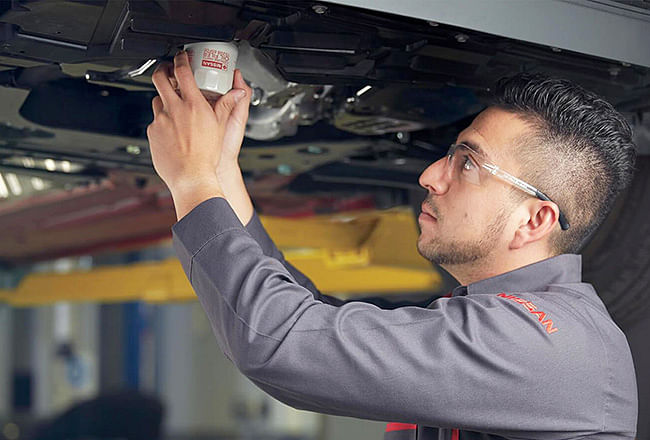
[(474, 146)]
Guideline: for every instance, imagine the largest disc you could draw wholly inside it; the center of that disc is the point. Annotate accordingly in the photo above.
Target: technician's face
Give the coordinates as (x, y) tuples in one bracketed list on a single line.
[(468, 221)]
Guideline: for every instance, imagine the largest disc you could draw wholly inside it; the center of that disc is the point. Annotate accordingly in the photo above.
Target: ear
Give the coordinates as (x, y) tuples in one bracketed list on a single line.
[(538, 219)]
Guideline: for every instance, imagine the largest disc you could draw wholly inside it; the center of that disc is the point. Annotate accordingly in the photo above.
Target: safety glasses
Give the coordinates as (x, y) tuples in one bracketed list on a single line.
[(466, 163)]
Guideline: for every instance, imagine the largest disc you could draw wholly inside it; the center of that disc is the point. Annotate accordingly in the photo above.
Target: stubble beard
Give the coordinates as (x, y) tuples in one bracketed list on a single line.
[(452, 253)]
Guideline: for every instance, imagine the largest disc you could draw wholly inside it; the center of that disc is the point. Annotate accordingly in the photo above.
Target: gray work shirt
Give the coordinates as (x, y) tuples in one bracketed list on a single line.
[(529, 354)]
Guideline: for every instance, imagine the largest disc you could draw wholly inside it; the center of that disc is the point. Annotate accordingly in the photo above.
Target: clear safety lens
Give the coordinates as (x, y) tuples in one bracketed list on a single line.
[(463, 163)]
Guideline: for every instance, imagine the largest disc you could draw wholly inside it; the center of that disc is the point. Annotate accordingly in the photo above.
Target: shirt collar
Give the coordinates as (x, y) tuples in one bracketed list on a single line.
[(565, 268)]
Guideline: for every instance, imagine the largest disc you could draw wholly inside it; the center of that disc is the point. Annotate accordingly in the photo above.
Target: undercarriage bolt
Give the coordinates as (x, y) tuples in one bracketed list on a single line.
[(256, 96)]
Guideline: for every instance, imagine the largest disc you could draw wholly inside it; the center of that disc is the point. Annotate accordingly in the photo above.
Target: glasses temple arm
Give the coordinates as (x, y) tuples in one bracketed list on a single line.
[(529, 189)]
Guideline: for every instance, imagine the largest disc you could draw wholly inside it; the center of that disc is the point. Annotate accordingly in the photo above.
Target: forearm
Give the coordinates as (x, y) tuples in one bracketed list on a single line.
[(189, 194), (234, 190)]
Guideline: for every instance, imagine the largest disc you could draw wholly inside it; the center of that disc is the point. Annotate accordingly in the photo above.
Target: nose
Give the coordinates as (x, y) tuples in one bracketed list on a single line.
[(434, 178)]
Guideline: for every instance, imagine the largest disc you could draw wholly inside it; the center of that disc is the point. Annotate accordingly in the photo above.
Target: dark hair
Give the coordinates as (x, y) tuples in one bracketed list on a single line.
[(579, 152)]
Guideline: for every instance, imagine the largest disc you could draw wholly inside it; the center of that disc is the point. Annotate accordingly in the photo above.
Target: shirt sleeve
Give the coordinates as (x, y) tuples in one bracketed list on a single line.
[(475, 363)]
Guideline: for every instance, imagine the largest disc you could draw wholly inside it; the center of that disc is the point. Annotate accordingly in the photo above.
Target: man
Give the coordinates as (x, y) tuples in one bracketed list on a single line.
[(522, 349)]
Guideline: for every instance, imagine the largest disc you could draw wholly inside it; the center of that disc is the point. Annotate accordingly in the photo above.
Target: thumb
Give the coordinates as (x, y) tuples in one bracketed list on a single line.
[(225, 105)]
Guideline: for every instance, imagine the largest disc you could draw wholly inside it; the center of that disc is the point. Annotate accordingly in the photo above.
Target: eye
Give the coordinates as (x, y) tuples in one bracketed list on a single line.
[(468, 164)]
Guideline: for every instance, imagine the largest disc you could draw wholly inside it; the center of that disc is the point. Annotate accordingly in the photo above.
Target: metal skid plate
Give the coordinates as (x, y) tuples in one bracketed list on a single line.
[(615, 30)]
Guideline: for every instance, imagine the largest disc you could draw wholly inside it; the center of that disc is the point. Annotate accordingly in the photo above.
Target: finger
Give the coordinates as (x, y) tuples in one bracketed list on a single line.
[(239, 83), (226, 104), (185, 77), (160, 79), (157, 106), (173, 81), (240, 112)]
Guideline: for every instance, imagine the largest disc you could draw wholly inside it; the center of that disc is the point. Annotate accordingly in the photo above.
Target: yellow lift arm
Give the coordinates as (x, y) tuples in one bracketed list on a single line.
[(344, 254)]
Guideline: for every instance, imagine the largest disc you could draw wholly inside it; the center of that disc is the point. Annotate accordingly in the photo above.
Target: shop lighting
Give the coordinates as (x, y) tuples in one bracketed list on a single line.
[(29, 162), (4, 192), (38, 183), (133, 149), (14, 184), (363, 90), (50, 164)]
